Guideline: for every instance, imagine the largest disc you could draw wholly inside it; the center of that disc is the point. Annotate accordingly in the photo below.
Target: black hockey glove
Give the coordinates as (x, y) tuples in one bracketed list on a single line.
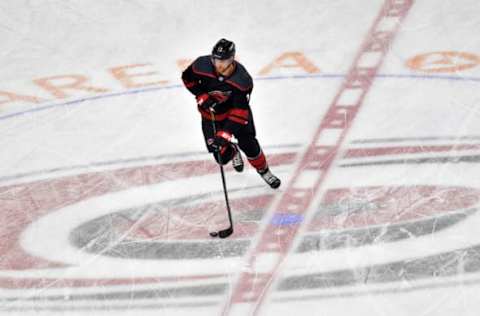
[(205, 102)]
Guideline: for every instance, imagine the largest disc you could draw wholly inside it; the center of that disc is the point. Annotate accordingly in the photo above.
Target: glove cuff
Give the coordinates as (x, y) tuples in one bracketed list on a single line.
[(225, 135)]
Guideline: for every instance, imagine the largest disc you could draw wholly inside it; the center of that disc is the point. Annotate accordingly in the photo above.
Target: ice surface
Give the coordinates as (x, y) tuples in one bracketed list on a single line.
[(367, 111)]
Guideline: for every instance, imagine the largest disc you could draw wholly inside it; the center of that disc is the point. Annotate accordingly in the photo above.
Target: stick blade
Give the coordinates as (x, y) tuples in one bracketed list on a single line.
[(226, 232)]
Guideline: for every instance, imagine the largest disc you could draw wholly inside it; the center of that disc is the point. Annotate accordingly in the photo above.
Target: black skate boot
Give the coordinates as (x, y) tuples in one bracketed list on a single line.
[(237, 161), (270, 178)]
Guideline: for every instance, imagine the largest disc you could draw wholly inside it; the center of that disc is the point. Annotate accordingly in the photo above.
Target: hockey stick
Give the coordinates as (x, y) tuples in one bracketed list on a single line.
[(228, 231)]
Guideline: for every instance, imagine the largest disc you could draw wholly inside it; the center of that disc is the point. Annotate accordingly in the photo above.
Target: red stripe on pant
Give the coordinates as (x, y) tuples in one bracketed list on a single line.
[(259, 162)]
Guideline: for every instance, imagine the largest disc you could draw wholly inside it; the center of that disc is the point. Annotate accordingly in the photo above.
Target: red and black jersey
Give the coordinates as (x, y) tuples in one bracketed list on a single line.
[(231, 93)]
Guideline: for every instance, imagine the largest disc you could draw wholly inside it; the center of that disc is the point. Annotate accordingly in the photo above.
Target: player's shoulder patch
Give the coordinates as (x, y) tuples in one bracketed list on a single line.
[(203, 66), (241, 79)]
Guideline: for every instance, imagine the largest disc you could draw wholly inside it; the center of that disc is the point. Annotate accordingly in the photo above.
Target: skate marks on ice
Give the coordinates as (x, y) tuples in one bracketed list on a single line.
[(136, 236)]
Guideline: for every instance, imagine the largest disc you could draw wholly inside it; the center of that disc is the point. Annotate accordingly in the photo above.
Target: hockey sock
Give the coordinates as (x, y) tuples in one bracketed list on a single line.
[(259, 162)]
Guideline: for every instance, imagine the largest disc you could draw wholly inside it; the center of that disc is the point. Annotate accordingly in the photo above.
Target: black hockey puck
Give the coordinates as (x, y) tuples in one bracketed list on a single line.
[(214, 234)]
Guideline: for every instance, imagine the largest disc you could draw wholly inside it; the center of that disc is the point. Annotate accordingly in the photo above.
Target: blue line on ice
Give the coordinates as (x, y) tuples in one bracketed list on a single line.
[(175, 86)]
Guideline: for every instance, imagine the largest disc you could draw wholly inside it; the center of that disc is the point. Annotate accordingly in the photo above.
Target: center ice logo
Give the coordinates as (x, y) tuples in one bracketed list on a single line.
[(138, 226)]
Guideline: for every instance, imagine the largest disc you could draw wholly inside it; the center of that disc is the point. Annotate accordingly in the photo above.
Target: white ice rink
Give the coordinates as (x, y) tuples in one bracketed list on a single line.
[(367, 110)]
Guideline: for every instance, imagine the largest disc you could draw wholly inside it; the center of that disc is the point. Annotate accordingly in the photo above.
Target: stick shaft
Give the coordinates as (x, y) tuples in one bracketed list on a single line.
[(222, 172)]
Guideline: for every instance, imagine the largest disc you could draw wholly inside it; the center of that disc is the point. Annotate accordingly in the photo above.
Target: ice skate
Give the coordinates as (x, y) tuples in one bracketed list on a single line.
[(237, 161), (270, 178)]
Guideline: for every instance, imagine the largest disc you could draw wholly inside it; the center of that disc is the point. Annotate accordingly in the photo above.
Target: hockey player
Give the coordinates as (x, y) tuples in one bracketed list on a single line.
[(222, 88)]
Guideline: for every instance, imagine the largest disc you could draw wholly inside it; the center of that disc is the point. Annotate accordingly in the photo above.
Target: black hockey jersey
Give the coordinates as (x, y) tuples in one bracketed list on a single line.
[(231, 93)]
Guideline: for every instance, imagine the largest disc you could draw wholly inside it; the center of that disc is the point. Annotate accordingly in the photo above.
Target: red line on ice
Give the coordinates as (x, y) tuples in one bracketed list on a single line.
[(275, 242)]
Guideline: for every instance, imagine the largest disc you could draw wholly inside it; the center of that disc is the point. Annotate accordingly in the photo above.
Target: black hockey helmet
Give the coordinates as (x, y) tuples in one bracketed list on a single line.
[(224, 49)]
